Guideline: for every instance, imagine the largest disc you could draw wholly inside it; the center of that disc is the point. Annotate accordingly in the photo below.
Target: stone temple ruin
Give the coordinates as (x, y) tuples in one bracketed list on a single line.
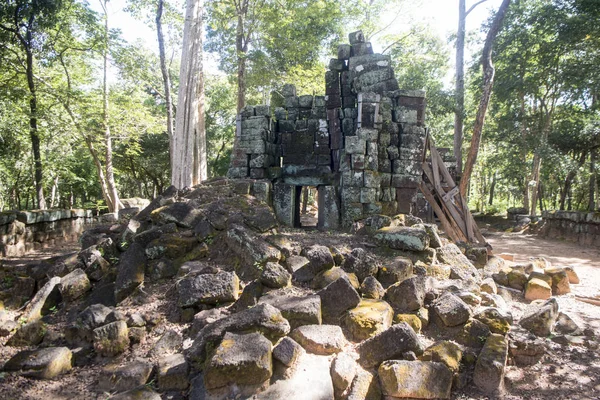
[(361, 144)]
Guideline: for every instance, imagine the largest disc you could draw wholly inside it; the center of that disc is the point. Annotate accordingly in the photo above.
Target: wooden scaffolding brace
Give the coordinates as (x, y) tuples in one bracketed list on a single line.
[(443, 195)]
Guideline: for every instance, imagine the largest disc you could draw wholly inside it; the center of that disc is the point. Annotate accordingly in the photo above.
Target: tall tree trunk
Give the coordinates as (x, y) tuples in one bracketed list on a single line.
[(459, 96), (241, 49), (592, 204), (460, 85), (523, 128), (537, 159), (569, 180), (166, 77), (242, 40), (34, 135), (110, 177), (488, 83), (200, 171), (492, 189), (189, 139)]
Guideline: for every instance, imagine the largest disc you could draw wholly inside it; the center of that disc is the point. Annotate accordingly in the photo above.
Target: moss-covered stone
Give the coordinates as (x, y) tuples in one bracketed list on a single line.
[(411, 319), (240, 359), (491, 363), (497, 320), (446, 352), (111, 339), (403, 238), (368, 319), (46, 363), (537, 289)]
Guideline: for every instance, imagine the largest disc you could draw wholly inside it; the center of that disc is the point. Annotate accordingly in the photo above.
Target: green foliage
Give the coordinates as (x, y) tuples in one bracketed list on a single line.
[(421, 61), (220, 123), (282, 39)]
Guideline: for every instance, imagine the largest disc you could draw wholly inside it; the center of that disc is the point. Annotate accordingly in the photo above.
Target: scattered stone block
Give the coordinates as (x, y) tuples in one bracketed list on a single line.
[(127, 377), (491, 363), (249, 297), (389, 344), (364, 386), (241, 360), (497, 320), (212, 289), (320, 339), (361, 263), (45, 363), (446, 352), (407, 295), (30, 334), (452, 310), (44, 299), (287, 351), (74, 285), (540, 318), (111, 339), (572, 274), (297, 310), (403, 238), (263, 318), (337, 298), (368, 319), (537, 289), (474, 334), (461, 267), (411, 319), (415, 379), (275, 276), (170, 342), (343, 371), (560, 280), (488, 286), (130, 271), (371, 288), (395, 270), (173, 372)]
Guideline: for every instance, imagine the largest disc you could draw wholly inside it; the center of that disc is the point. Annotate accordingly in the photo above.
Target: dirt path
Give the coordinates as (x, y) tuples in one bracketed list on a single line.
[(567, 372)]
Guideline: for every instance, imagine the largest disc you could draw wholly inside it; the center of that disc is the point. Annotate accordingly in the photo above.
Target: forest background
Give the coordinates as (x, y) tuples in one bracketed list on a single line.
[(85, 114)]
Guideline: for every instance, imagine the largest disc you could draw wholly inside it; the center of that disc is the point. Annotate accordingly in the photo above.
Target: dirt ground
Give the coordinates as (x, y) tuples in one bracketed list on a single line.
[(567, 371)]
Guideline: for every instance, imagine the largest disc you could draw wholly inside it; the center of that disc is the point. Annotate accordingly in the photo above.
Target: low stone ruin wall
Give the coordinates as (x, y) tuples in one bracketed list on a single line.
[(580, 227), (24, 231)]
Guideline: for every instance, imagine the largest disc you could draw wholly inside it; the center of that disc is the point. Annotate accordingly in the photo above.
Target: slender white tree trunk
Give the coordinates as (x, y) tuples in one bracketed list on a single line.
[(189, 139), (115, 203)]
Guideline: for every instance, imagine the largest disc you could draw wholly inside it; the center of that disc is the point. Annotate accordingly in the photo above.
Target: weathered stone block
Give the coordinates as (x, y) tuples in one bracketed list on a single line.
[(389, 344), (415, 379), (403, 238), (491, 364), (320, 339), (45, 363), (241, 360), (368, 319), (336, 298), (355, 145), (216, 288)]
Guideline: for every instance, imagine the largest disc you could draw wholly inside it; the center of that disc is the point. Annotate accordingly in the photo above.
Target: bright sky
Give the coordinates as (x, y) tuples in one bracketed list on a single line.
[(442, 15)]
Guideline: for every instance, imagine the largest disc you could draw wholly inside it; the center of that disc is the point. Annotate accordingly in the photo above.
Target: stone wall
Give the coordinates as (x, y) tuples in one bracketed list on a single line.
[(25, 231), (361, 144), (580, 227)]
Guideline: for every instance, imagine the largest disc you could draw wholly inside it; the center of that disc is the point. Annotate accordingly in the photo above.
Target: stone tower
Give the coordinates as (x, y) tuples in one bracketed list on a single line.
[(361, 144)]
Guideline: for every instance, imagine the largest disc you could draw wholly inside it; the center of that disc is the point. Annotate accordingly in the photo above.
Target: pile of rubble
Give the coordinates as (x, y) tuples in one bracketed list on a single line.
[(257, 312)]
